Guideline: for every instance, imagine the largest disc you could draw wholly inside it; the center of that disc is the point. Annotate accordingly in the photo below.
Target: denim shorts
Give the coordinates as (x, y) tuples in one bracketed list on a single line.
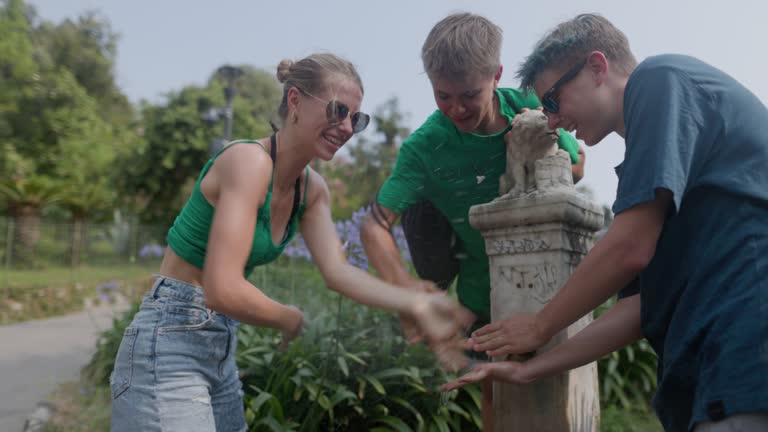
[(175, 369)]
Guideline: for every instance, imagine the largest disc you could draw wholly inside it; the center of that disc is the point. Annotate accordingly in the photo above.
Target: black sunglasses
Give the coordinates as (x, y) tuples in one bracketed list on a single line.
[(549, 98), (337, 111)]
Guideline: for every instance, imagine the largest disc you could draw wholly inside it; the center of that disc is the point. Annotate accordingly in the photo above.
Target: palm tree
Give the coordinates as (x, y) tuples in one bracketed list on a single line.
[(82, 201), (25, 198)]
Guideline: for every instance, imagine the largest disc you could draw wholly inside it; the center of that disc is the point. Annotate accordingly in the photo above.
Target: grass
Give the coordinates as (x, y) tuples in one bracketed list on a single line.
[(615, 419), (54, 291), (80, 408), (53, 276)]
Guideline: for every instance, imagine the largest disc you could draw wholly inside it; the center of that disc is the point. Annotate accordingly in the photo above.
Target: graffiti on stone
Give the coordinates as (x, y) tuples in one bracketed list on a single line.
[(537, 281), (512, 246)]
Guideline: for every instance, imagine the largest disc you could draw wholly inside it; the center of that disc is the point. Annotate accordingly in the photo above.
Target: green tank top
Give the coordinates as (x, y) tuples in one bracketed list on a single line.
[(188, 237)]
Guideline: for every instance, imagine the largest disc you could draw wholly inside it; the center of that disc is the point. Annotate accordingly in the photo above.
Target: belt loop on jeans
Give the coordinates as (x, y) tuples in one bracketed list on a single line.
[(158, 280)]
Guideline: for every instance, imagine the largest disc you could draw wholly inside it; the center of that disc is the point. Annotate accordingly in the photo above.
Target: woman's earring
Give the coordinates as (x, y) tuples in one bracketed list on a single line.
[(294, 117)]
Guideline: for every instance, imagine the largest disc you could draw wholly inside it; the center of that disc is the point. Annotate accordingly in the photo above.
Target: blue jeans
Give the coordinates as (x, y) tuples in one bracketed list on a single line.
[(175, 368)]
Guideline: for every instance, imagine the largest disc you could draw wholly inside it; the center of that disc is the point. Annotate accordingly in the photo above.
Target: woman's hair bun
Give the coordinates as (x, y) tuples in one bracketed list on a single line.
[(284, 70)]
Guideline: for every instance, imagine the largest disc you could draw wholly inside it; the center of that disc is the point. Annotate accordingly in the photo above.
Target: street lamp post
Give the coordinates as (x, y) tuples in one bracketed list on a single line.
[(213, 115)]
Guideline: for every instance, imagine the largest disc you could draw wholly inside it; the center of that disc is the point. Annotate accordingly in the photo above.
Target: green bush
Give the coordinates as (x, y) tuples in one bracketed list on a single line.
[(351, 371), (614, 419), (628, 376)]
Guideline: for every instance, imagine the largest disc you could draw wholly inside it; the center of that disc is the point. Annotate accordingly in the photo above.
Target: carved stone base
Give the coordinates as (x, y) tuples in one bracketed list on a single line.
[(534, 242)]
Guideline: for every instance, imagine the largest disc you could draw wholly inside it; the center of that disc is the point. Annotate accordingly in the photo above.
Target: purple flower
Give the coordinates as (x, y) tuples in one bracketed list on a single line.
[(152, 250), (297, 248), (107, 290), (349, 234), (402, 244)]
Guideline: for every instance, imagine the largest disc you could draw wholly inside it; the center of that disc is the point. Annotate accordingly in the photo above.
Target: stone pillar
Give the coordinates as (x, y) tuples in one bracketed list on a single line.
[(534, 241)]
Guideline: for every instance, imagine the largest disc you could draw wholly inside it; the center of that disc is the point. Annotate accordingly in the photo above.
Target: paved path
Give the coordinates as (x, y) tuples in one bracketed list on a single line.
[(36, 356)]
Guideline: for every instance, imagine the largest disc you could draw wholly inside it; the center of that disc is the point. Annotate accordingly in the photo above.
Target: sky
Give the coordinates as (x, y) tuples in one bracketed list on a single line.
[(167, 44)]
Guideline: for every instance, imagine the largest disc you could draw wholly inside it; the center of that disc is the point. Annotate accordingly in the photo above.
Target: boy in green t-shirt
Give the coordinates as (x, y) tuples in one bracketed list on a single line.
[(450, 163)]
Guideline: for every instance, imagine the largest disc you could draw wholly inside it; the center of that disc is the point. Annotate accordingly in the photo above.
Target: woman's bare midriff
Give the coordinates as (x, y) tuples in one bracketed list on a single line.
[(175, 267)]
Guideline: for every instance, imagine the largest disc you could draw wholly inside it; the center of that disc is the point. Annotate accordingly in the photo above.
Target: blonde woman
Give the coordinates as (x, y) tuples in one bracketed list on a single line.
[(175, 368)]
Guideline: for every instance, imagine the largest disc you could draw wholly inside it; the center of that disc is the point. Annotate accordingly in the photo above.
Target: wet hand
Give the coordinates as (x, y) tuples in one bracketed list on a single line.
[(450, 354), (410, 327), (439, 317), (516, 335), (508, 371)]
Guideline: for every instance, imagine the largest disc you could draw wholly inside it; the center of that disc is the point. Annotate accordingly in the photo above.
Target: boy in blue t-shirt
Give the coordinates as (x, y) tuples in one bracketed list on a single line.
[(687, 249)]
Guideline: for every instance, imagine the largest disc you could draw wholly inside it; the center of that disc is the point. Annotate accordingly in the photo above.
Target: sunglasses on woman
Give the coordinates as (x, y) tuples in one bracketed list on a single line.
[(337, 112)]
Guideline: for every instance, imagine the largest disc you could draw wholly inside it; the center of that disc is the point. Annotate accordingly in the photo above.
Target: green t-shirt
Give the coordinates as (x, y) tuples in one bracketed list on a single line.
[(456, 170)]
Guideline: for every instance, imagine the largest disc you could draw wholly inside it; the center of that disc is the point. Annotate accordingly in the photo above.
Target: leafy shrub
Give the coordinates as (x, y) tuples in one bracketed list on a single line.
[(615, 419), (351, 371), (628, 376)]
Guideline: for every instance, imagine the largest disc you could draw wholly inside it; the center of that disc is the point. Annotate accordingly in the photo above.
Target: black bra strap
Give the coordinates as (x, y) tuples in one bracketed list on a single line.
[(273, 148), (297, 188)]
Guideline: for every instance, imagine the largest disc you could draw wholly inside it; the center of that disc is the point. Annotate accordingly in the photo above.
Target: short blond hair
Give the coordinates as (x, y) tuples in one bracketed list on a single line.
[(462, 44)]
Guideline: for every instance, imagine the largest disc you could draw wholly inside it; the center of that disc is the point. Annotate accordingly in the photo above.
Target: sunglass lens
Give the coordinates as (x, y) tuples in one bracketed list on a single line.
[(336, 111), (360, 121), (330, 112), (550, 105), (342, 111)]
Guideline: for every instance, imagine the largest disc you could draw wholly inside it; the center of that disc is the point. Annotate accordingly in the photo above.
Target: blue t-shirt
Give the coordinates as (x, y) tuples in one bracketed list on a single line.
[(697, 132)]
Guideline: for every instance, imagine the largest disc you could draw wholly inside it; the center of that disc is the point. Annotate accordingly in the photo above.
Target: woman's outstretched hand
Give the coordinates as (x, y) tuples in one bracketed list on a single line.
[(410, 327), (438, 317), (294, 329), (442, 321)]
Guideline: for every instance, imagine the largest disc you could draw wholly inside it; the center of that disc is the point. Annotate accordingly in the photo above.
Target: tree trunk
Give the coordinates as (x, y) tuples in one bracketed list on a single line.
[(77, 240), (26, 235)]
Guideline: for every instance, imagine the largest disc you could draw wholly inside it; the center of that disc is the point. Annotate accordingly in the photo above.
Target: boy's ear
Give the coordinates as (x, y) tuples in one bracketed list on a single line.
[(597, 63)]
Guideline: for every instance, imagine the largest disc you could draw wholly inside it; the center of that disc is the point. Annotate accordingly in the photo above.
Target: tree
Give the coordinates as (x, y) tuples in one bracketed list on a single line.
[(25, 197), (158, 175), (257, 91), (82, 201), (87, 48), (55, 144), (389, 122), (17, 68)]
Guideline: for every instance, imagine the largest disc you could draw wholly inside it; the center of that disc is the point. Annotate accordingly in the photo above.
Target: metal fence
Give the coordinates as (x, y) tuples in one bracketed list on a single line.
[(29, 244)]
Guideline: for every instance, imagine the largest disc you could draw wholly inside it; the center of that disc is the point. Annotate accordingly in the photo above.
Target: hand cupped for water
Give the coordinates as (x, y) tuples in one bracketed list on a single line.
[(508, 371)]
